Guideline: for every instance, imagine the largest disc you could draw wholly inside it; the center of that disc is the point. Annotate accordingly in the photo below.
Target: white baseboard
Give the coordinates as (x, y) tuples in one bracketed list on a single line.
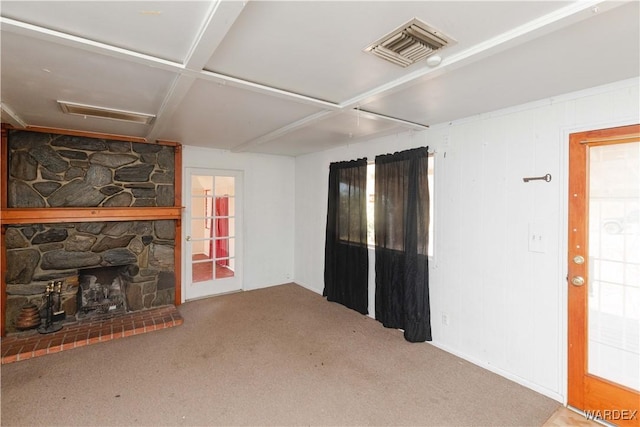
[(516, 379), (311, 288)]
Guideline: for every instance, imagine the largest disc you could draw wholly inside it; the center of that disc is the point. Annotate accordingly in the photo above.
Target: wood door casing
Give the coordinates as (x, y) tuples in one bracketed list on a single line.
[(585, 391)]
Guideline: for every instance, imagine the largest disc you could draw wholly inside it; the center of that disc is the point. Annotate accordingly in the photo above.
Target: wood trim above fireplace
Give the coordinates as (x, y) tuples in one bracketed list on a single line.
[(86, 214), (113, 137), (55, 215)]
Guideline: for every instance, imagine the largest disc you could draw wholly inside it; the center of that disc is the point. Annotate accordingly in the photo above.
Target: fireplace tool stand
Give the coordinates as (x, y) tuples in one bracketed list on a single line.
[(49, 325)]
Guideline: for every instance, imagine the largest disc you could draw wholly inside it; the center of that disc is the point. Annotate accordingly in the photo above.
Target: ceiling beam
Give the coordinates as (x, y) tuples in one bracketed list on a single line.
[(376, 116), (267, 90), (220, 17), (53, 36), (9, 116), (298, 124)]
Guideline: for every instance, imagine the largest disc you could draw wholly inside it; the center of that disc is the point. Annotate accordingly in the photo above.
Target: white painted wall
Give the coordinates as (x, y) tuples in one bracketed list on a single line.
[(268, 210), (506, 305)]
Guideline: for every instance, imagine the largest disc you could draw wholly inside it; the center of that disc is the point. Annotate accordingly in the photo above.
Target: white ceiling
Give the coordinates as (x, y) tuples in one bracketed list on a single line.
[(291, 77)]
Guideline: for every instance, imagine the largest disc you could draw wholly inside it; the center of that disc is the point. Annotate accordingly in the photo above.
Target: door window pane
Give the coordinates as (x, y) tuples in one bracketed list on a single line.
[(614, 263), (213, 211), (201, 271), (225, 186)]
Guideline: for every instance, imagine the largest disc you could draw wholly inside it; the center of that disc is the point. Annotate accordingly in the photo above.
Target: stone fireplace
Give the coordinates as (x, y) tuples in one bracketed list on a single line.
[(40, 253), (126, 247)]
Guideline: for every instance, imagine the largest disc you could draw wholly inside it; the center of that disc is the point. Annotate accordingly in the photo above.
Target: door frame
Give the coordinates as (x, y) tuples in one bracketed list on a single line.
[(239, 226), (577, 336), (563, 221)]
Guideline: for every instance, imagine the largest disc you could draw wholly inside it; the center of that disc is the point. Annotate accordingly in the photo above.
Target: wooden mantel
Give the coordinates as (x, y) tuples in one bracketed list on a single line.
[(60, 215), (86, 214)]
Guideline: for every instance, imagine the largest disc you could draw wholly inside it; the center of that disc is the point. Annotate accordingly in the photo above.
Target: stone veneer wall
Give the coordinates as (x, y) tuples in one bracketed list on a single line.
[(54, 170), (39, 253), (51, 170)]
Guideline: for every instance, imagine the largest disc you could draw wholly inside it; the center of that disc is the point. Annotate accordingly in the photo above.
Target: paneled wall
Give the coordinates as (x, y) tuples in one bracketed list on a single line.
[(268, 210), (504, 304)]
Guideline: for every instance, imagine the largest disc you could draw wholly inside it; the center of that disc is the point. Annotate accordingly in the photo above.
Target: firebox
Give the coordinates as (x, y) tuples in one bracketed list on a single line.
[(102, 290)]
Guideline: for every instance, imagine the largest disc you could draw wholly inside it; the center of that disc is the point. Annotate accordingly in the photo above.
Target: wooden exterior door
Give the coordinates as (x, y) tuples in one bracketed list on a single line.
[(604, 274)]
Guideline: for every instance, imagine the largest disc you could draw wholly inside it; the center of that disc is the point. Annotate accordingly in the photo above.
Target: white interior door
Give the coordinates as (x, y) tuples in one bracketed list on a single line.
[(213, 232)]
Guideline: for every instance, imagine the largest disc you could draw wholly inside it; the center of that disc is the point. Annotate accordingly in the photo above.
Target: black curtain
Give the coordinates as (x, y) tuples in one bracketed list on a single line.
[(402, 238), (346, 262)]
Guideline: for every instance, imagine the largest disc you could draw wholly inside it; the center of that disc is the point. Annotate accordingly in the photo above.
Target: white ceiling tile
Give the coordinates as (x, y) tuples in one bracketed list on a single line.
[(166, 29), (35, 74), (227, 116)]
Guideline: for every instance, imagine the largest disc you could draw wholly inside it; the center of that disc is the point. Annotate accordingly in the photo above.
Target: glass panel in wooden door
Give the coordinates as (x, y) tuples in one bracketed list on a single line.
[(614, 263), (604, 274)]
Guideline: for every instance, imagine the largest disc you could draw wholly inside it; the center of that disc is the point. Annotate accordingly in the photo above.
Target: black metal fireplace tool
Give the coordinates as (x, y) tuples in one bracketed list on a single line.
[(50, 324)]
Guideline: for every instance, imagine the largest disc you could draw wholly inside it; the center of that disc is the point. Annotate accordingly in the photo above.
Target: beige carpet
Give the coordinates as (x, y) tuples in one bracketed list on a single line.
[(276, 356)]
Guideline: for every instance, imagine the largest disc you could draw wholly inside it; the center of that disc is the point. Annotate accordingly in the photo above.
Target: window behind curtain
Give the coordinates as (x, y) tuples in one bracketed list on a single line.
[(371, 175)]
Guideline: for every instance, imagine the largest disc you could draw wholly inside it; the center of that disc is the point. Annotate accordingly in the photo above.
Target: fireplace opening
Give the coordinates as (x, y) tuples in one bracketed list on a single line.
[(102, 290)]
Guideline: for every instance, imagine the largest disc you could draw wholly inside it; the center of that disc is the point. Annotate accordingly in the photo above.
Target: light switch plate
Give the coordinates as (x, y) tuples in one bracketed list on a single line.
[(537, 238)]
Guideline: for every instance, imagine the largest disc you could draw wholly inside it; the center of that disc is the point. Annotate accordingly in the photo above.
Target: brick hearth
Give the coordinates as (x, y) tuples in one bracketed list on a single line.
[(27, 345)]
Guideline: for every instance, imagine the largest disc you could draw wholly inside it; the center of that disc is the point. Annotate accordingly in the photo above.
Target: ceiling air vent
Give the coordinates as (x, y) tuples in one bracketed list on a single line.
[(105, 113), (410, 43)]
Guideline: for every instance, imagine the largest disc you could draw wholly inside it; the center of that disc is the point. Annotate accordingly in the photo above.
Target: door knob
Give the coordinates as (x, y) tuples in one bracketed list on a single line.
[(188, 238), (577, 280)]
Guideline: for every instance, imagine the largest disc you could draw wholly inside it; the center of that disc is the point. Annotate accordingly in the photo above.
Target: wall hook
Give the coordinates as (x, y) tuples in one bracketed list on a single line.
[(546, 178)]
